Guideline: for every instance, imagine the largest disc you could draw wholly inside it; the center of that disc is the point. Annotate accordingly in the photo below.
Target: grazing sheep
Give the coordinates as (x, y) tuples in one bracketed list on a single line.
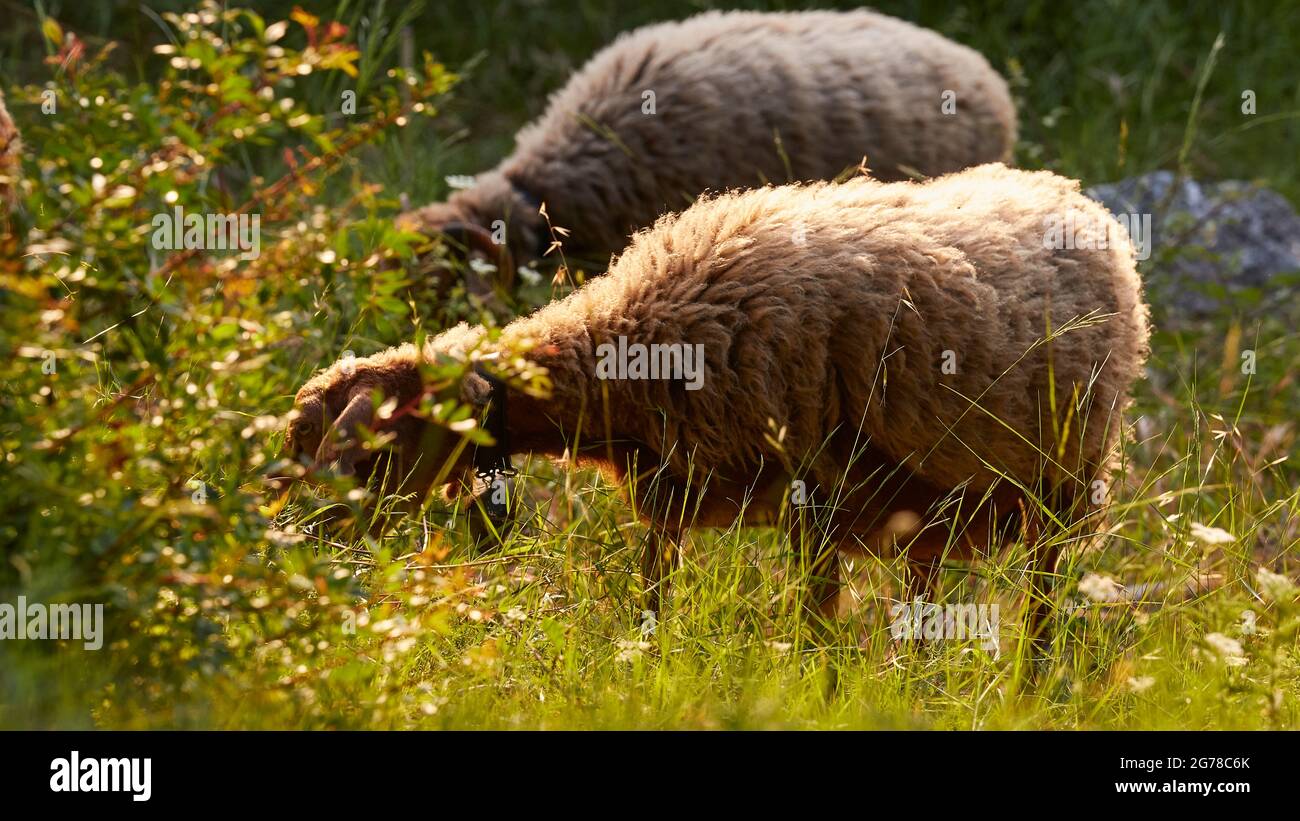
[(926, 358), (739, 99)]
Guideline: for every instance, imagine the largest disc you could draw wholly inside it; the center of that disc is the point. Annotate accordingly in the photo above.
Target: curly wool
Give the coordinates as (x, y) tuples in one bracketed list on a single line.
[(740, 99), (897, 346), (827, 309)]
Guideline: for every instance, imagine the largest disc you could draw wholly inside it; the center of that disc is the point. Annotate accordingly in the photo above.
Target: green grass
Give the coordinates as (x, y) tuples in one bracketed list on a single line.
[(230, 609)]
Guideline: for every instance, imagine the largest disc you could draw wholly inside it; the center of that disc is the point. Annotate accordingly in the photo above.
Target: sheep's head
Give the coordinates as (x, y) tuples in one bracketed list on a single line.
[(364, 418), (496, 220), (467, 241), (359, 418)]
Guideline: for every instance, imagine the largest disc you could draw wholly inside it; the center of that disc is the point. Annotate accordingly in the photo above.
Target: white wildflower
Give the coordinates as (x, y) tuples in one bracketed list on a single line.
[(1228, 649), (1275, 586), (1249, 626), (1211, 535), (631, 650), (1100, 588)]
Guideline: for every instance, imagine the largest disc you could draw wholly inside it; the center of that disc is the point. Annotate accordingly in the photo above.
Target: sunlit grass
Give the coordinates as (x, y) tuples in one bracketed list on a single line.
[(240, 608), (548, 631)]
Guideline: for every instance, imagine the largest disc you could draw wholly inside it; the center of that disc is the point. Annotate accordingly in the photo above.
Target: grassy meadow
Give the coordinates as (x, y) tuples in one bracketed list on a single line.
[(143, 395)]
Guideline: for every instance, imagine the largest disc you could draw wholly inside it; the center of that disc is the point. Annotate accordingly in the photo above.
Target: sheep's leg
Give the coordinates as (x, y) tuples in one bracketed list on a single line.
[(920, 588), (1041, 606), (657, 561), (820, 609), (1042, 576), (817, 561), (924, 554), (922, 580), (824, 585), (819, 598)]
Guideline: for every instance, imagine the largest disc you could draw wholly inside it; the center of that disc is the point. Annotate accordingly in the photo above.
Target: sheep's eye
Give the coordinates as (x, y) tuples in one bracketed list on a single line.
[(302, 428)]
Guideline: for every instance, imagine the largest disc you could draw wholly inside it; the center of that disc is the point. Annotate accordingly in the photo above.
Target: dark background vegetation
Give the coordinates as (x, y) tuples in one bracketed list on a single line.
[(232, 610), (1105, 88)]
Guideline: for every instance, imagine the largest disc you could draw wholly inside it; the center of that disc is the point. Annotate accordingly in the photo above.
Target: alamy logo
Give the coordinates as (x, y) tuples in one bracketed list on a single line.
[(33, 620), (655, 361), (77, 774), (208, 232), (921, 620)]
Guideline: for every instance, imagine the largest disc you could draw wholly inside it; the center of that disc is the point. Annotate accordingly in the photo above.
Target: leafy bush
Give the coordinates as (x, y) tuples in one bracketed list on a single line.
[(141, 397), (144, 390)]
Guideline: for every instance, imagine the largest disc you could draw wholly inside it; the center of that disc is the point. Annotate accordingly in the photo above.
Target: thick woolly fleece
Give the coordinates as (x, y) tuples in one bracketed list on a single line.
[(830, 307), (951, 327), (740, 99)]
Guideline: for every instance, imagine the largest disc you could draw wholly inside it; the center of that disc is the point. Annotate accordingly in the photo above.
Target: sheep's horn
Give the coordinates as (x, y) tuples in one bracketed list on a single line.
[(476, 238)]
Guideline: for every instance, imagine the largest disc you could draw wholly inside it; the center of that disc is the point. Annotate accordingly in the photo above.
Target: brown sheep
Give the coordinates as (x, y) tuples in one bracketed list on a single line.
[(892, 345), (739, 99)]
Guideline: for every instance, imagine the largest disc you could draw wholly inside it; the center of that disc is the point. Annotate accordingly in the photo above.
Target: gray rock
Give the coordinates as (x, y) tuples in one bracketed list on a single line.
[(1215, 246)]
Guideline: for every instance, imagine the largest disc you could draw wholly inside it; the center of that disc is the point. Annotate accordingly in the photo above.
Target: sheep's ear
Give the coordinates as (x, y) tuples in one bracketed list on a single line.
[(476, 390), (346, 433)]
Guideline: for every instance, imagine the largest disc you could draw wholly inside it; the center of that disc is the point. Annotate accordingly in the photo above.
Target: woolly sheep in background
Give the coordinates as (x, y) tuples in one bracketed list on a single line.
[(740, 99)]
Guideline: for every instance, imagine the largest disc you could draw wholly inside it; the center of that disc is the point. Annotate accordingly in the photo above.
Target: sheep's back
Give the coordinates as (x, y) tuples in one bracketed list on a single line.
[(825, 307), (745, 98)]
